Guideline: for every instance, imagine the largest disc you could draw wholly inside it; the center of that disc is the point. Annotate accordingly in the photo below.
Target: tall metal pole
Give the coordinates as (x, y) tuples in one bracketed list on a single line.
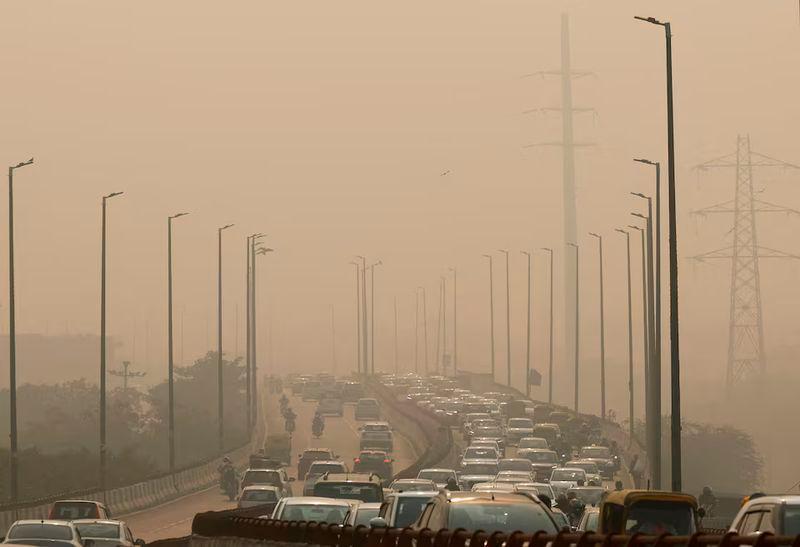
[(439, 361), (444, 325), (170, 350), (254, 309), (645, 331), (372, 315), (675, 388), (103, 469), (248, 336), (416, 331), (365, 332), (577, 323), (491, 309), (528, 333), (631, 416), (508, 320), (12, 338), (602, 331), (425, 329), (550, 351), (333, 340), (220, 402), (395, 337), (455, 321), (358, 319)]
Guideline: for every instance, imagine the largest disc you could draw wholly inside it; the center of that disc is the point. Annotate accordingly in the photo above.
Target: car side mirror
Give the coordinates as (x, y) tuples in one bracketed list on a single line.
[(378, 522)]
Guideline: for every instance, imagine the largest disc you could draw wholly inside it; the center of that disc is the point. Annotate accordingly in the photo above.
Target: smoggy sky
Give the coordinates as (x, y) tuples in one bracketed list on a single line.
[(328, 124)]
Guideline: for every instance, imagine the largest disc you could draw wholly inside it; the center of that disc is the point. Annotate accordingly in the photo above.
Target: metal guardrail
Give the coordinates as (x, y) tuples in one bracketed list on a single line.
[(312, 533)]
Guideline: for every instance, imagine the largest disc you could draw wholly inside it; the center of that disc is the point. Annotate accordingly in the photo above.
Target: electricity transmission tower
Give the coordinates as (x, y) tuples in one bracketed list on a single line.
[(746, 352), (568, 146)]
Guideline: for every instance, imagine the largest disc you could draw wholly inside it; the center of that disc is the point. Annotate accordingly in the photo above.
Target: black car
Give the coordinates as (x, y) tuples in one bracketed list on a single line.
[(490, 511), (374, 461)]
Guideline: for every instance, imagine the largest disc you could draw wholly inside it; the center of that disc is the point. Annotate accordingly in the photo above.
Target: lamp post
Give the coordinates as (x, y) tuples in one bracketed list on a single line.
[(630, 333), (103, 343), (645, 319), (491, 309), (577, 322), (170, 348), (550, 350), (508, 319), (528, 332), (253, 309), (602, 331), (675, 366), (249, 330), (424, 328), (416, 331), (12, 337), (220, 401), (364, 332), (455, 321), (395, 337), (358, 317), (372, 314)]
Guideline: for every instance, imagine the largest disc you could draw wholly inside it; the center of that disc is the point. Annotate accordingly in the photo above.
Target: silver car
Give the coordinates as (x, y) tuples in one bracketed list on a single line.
[(258, 494), (107, 533), (44, 533)]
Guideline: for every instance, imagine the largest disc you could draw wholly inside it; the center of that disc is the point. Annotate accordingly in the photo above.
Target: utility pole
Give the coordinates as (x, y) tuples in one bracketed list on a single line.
[(602, 331), (491, 310), (528, 333), (508, 319), (416, 331), (444, 326), (358, 318), (365, 333), (439, 360), (103, 448), (631, 415), (550, 333), (248, 363), (372, 315), (333, 339), (645, 330), (171, 347), (577, 324), (220, 401), (425, 329), (260, 251), (396, 370), (126, 373), (455, 322)]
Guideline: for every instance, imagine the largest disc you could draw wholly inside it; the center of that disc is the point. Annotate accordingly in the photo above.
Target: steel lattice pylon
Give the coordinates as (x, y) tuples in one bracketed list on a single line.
[(746, 350)]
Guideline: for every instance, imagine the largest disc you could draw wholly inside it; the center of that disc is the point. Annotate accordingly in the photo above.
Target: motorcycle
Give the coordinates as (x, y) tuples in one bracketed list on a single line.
[(230, 484), (317, 428)]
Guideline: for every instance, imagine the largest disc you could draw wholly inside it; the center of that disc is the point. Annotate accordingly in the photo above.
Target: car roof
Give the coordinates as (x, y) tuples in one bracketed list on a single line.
[(313, 449), (515, 460), (415, 494), (327, 462), (273, 469), (350, 477), (437, 469), (93, 502), (97, 521), (483, 497), (411, 481), (482, 460), (317, 500), (44, 521), (261, 487), (788, 500)]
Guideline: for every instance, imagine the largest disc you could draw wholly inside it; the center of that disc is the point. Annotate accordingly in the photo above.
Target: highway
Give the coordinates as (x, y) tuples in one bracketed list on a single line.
[(174, 519)]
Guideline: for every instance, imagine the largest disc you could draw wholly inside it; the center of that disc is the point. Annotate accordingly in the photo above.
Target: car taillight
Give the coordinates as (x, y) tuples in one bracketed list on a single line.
[(387, 461), (357, 460)]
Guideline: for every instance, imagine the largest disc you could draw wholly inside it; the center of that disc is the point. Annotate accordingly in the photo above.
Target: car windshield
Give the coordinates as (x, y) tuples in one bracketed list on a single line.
[(568, 475), (533, 443), (488, 432), (520, 423), (259, 495), (74, 510), (414, 486), (480, 453), (480, 469), (791, 520), (365, 514), (380, 435), (368, 493), (654, 518), (589, 467), (317, 513), (595, 452), (515, 465), (262, 477), (502, 517), (103, 530), (318, 454), (435, 476), (408, 511), (540, 457), (40, 531), (320, 468)]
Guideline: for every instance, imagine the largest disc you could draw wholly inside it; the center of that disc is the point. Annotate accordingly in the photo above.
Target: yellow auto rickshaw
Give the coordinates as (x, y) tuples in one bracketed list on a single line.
[(648, 512)]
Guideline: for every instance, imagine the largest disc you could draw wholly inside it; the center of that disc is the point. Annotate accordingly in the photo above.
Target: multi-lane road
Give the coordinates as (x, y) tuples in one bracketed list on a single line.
[(174, 519)]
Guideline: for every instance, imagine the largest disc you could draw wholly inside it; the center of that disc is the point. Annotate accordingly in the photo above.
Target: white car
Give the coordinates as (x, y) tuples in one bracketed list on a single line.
[(517, 428), (106, 533), (438, 476), (258, 494), (777, 514), (401, 510), (535, 488), (533, 442), (55, 533), (311, 508), (591, 468), (413, 485), (564, 478)]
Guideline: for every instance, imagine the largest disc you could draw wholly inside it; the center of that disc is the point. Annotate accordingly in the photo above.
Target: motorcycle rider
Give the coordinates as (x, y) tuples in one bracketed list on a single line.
[(708, 500), (224, 471), (318, 424), (290, 417)]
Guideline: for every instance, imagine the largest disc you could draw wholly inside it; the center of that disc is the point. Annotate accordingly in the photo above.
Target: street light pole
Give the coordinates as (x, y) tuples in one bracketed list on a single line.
[(508, 319), (171, 349), (455, 322), (358, 318), (364, 333), (602, 331), (491, 309), (550, 351), (577, 322), (645, 328), (103, 469), (395, 336), (675, 367), (425, 328), (248, 329), (253, 310), (528, 333), (12, 336), (630, 334), (220, 401), (416, 331), (372, 314)]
